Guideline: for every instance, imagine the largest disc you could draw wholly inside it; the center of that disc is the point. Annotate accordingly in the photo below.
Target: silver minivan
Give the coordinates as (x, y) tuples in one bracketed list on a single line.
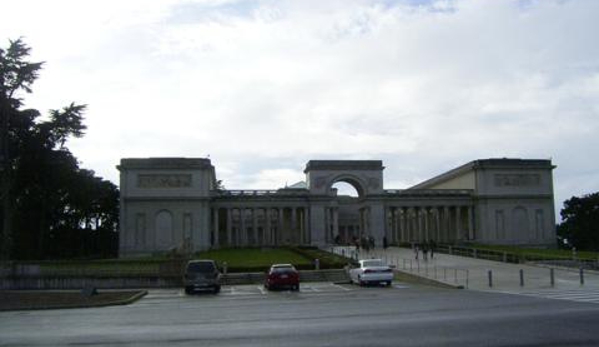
[(201, 275)]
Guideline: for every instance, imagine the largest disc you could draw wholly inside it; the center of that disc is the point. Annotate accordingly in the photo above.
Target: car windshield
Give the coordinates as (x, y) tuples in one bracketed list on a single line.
[(203, 266), (374, 262), (282, 269)]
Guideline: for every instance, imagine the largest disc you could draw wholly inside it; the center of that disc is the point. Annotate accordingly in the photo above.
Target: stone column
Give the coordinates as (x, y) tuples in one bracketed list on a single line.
[(293, 224), (279, 233), (306, 234), (215, 241), (458, 225), (255, 240), (446, 226), (470, 224), (427, 224), (335, 211), (266, 238), (242, 227), (229, 227), (437, 214)]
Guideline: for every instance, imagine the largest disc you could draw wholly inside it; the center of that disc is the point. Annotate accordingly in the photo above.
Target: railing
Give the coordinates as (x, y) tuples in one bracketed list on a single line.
[(507, 257)]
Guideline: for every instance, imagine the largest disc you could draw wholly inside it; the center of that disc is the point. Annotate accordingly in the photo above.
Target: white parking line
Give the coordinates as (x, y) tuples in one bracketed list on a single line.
[(338, 286)]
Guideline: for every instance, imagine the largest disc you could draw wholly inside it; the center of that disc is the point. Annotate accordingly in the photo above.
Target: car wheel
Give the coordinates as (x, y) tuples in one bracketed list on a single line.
[(216, 289), (388, 283), (295, 287)]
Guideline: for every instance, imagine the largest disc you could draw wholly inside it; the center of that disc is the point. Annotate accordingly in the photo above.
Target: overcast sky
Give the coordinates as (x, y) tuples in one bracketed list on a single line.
[(264, 86)]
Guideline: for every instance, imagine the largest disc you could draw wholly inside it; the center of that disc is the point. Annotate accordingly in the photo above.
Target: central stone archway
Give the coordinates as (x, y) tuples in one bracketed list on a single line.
[(339, 218)]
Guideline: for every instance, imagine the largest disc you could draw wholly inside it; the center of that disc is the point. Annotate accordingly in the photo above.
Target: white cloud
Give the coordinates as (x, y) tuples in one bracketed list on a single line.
[(426, 86)]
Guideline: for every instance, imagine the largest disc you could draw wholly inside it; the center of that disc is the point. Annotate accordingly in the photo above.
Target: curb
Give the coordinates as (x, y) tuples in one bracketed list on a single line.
[(138, 295)]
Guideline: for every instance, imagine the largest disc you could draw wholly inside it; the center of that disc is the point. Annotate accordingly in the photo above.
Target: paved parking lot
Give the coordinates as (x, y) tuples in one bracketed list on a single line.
[(309, 288)]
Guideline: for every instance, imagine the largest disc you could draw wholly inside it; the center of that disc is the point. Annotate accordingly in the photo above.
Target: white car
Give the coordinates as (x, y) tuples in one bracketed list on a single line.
[(371, 271)]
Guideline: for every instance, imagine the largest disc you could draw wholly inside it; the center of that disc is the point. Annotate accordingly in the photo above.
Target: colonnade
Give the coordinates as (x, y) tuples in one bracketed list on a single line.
[(439, 223), (259, 226)]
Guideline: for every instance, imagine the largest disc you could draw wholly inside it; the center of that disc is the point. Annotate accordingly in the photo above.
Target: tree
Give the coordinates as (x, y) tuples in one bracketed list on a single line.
[(44, 191), (16, 75), (580, 222)]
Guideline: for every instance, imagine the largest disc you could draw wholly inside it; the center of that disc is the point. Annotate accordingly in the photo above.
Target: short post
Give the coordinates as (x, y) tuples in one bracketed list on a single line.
[(521, 278), (316, 264), (581, 276), (490, 273), (552, 277)]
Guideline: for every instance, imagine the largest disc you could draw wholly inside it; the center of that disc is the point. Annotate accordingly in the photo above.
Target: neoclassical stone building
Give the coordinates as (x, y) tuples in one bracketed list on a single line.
[(174, 203)]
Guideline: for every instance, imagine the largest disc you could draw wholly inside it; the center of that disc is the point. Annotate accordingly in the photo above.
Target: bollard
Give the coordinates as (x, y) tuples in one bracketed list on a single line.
[(490, 278), (552, 277), (521, 278), (581, 276), (316, 264)]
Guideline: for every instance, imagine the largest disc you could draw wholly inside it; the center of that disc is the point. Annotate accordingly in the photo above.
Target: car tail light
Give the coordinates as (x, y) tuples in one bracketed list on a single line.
[(387, 270), (367, 271)]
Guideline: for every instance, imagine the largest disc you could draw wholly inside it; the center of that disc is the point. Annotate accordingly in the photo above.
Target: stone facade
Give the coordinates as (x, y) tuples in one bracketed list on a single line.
[(174, 203)]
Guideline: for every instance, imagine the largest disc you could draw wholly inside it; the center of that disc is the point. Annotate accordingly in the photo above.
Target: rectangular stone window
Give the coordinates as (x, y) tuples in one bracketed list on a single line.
[(163, 180), (140, 229), (499, 225), (517, 180), (187, 225), (539, 224)]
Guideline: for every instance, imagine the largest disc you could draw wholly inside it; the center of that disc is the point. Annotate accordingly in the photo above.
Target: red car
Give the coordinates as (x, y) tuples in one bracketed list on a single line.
[(282, 276)]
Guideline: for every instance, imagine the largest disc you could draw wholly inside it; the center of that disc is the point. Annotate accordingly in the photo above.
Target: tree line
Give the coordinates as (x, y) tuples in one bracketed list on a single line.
[(51, 207)]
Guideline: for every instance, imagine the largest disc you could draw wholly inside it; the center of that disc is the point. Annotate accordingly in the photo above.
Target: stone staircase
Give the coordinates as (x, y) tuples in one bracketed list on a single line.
[(329, 275)]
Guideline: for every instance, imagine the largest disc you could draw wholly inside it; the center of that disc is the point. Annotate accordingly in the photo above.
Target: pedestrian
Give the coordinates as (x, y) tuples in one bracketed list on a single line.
[(416, 251), (385, 243), (424, 250), (432, 245)]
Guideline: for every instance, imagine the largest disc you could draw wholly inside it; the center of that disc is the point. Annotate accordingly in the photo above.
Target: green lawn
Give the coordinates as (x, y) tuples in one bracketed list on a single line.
[(256, 258), (534, 252)]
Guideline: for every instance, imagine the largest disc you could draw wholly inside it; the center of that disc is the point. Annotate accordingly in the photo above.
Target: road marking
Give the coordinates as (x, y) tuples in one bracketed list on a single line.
[(338, 286), (580, 295), (262, 290)]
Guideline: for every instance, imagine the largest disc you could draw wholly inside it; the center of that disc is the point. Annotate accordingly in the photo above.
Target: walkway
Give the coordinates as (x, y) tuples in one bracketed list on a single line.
[(472, 273)]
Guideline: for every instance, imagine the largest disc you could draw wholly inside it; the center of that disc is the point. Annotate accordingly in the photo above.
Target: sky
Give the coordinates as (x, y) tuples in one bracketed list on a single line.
[(262, 87)]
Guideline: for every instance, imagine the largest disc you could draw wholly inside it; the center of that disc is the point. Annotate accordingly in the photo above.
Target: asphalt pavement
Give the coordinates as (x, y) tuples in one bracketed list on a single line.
[(321, 314)]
